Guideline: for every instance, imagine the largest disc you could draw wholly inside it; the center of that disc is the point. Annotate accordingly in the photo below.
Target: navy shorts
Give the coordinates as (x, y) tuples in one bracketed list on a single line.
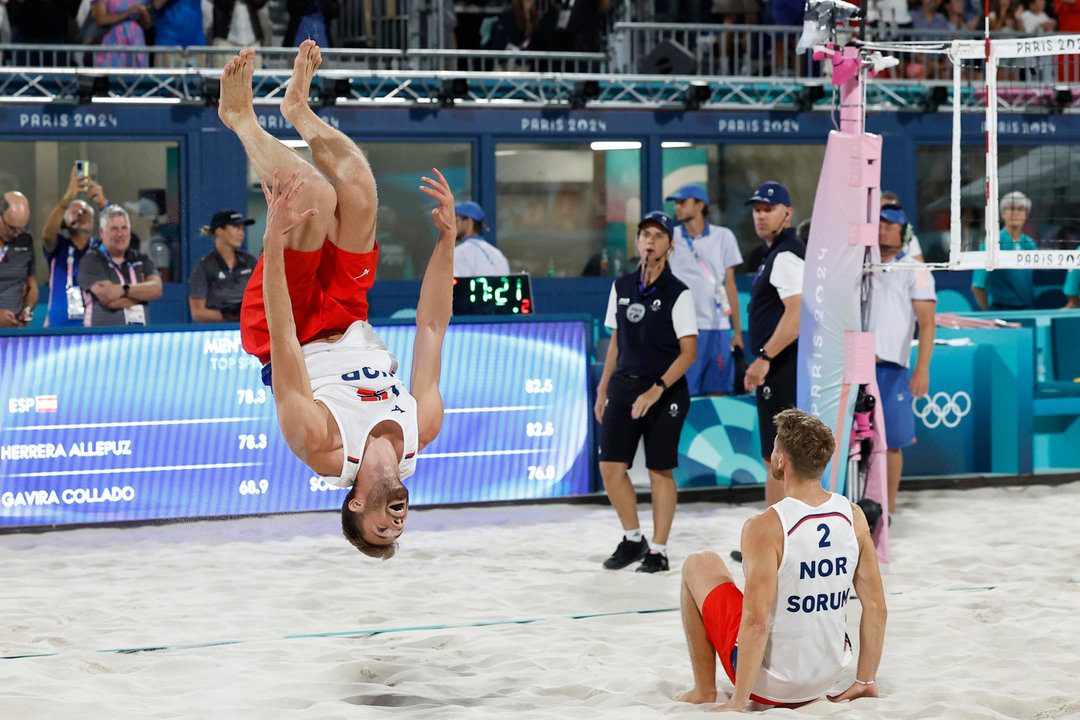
[(778, 393), (714, 369), (661, 426), (892, 382)]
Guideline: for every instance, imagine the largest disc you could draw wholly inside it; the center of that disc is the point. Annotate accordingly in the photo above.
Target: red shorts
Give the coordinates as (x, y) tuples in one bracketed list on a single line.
[(328, 289), (722, 613)]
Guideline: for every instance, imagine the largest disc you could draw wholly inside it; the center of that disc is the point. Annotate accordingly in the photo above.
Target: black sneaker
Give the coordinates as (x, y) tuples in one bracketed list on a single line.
[(653, 562), (627, 552)]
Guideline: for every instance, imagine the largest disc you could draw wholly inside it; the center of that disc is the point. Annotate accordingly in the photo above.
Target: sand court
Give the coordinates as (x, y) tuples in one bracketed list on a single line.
[(505, 612)]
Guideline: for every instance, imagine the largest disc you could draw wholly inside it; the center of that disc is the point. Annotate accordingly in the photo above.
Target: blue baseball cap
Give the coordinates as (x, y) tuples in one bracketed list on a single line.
[(470, 210), (772, 193), (894, 214), (690, 192), (658, 218)]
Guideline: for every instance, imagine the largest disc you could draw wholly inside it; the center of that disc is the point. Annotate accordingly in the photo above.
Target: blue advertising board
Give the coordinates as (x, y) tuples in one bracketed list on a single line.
[(146, 425)]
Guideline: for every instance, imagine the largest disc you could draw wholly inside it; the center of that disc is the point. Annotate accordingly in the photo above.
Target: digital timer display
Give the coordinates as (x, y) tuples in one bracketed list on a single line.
[(493, 295)]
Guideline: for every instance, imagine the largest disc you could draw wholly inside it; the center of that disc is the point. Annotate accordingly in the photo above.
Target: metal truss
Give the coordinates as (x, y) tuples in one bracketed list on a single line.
[(390, 87)]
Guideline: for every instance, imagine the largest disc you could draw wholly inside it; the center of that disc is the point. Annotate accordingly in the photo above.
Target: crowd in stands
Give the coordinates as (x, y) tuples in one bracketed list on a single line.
[(535, 25), (163, 23)]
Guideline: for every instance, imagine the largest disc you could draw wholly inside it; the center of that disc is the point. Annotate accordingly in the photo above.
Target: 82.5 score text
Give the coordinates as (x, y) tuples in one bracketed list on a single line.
[(539, 429), (539, 385)]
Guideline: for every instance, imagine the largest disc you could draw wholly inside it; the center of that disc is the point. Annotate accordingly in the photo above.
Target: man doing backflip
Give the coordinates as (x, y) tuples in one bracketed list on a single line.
[(341, 407), (785, 641)]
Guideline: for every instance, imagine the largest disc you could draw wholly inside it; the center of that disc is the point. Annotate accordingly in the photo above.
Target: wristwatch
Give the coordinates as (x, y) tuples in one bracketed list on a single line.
[(126, 288), (661, 383), (763, 355)]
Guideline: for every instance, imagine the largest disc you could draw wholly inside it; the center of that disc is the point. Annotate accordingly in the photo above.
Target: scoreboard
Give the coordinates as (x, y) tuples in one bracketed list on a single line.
[(173, 424)]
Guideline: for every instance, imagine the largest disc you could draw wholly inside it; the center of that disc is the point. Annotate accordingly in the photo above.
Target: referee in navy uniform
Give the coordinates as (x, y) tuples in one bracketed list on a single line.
[(643, 391), (775, 300), (219, 278)]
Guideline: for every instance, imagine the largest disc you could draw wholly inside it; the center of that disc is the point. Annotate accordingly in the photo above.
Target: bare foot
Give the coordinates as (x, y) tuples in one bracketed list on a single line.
[(235, 106), (295, 102), (697, 696)]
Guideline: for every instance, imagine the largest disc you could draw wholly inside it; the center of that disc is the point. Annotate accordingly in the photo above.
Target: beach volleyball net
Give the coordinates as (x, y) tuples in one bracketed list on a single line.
[(1027, 84)]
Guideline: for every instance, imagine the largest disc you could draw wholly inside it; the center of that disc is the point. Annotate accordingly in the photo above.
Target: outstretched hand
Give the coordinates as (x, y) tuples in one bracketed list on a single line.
[(281, 217), (443, 216)]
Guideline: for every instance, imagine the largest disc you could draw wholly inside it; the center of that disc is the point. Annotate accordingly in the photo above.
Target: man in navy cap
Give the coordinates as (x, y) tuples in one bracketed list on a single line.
[(773, 322), (704, 257), (473, 255)]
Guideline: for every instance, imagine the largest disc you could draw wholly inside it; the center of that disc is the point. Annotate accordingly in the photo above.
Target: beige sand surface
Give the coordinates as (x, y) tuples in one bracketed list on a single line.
[(983, 592)]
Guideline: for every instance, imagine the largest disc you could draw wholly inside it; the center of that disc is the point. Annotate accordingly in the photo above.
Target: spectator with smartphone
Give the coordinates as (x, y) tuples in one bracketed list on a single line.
[(67, 236), (18, 287), (219, 278)]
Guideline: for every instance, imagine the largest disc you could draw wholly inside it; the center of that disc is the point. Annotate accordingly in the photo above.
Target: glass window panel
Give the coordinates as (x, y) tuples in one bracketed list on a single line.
[(1042, 172), (143, 177), (731, 173), (933, 168), (403, 226), (566, 210)]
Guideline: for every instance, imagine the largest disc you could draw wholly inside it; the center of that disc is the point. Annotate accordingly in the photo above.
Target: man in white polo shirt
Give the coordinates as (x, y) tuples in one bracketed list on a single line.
[(704, 258), (473, 255), (901, 297)]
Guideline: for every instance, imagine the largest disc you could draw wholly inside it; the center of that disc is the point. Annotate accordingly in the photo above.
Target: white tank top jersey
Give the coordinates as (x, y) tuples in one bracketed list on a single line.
[(808, 646), (356, 379)]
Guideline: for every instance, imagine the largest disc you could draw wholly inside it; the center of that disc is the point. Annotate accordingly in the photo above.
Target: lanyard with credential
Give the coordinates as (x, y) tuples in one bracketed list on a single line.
[(719, 291), (116, 269), (71, 266)]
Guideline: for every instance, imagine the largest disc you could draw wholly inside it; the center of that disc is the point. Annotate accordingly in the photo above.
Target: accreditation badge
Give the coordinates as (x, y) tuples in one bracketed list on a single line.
[(135, 315)]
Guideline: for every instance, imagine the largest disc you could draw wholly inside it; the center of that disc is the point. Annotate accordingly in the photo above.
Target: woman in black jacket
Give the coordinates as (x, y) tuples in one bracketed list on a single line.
[(643, 391)]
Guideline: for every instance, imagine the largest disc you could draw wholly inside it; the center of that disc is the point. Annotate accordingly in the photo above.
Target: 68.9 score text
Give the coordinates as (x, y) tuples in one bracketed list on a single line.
[(251, 487)]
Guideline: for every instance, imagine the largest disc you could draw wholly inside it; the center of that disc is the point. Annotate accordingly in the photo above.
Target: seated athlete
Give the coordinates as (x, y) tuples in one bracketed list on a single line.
[(785, 642), (341, 407)]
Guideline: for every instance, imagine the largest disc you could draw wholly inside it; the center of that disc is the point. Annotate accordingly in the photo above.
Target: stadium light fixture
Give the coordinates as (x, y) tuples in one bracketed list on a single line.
[(696, 95), (211, 90), (452, 89), (809, 95), (583, 92), (934, 98), (330, 90), (87, 87), (1063, 97)]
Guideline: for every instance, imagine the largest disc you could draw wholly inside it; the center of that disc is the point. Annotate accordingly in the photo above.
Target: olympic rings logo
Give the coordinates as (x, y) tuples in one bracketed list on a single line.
[(942, 409)]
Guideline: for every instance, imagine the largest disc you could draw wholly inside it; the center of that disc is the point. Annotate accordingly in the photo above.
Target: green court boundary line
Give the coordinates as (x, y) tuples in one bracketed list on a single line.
[(357, 633), (420, 628)]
